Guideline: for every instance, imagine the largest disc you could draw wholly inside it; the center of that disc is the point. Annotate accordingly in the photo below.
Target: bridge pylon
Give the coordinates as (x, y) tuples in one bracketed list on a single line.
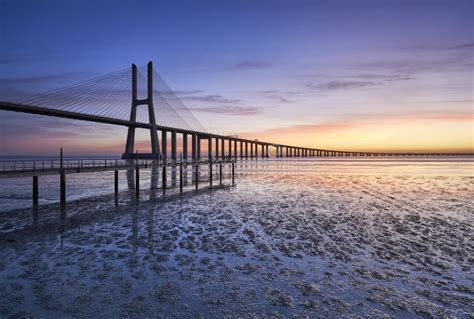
[(130, 145)]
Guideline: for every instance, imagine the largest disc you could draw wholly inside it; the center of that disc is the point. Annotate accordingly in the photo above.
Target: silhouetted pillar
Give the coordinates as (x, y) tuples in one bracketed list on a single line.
[(164, 146), (35, 190), (217, 148), (241, 150), (235, 149), (116, 183), (173, 145), (62, 190), (198, 147), (230, 149), (185, 146), (223, 148), (209, 150), (193, 147)]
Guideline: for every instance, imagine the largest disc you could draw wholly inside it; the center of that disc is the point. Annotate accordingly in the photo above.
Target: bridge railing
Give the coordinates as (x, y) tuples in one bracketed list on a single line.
[(19, 166), (55, 164)]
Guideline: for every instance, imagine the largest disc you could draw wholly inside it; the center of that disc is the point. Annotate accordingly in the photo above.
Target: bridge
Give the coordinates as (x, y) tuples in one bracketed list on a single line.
[(154, 106), (77, 102)]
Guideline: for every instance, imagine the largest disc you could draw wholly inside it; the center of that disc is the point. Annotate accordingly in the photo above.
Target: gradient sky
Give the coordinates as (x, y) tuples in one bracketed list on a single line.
[(350, 75)]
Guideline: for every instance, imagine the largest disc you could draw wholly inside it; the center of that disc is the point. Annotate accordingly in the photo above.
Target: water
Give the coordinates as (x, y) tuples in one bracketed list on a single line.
[(316, 238)]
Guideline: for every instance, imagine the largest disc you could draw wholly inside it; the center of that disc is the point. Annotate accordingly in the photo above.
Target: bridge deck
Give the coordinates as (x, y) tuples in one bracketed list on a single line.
[(16, 107), (11, 169)]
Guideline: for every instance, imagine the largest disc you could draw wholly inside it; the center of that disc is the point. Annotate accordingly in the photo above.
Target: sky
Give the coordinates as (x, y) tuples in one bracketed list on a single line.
[(393, 75)]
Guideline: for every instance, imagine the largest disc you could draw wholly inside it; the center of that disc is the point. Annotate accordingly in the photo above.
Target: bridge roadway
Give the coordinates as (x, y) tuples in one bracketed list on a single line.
[(248, 148)]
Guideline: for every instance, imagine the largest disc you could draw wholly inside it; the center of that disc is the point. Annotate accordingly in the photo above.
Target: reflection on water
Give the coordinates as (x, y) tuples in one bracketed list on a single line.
[(326, 240)]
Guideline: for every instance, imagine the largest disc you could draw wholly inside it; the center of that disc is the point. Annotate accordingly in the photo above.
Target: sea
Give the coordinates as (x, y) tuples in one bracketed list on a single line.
[(286, 238)]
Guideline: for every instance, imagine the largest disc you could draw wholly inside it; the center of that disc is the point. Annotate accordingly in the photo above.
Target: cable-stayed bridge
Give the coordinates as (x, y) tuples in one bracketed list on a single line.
[(140, 98)]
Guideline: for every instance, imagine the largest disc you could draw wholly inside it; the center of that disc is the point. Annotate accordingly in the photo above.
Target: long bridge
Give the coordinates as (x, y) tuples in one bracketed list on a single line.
[(236, 147), (106, 100)]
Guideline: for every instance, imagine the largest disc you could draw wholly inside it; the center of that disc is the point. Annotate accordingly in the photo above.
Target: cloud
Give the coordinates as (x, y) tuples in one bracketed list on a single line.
[(341, 85), (251, 65), (279, 95), (279, 98), (229, 110), (384, 77), (212, 99), (183, 92), (462, 46)]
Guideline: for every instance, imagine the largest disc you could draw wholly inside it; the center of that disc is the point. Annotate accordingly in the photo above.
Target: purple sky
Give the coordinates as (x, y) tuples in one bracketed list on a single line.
[(395, 75)]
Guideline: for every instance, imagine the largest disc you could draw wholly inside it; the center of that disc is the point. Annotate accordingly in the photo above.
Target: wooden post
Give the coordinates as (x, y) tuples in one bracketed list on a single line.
[(233, 172), (163, 177), (181, 176), (137, 180), (210, 173), (220, 173), (197, 175), (35, 190), (116, 188), (62, 188)]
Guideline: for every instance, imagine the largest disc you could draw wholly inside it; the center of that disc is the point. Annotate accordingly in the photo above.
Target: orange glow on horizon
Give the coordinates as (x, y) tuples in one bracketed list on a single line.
[(435, 134)]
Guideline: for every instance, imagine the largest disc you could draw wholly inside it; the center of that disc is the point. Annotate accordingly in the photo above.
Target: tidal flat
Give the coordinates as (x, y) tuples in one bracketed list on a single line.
[(372, 243)]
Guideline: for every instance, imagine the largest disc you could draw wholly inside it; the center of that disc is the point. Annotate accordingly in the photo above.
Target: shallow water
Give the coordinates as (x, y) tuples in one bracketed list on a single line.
[(317, 239)]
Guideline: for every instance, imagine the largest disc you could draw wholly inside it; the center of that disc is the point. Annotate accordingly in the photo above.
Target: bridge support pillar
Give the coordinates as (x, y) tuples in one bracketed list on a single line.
[(223, 149), (130, 144), (217, 149), (230, 149), (35, 190), (246, 150), (241, 150), (235, 149), (209, 149), (193, 147), (164, 148), (173, 146), (185, 146), (198, 147)]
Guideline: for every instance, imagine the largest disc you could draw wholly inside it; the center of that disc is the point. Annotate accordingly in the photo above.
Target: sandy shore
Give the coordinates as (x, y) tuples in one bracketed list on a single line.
[(273, 246)]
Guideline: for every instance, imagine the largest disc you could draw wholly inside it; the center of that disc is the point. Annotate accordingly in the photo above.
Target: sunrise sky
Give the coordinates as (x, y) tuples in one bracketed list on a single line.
[(389, 75)]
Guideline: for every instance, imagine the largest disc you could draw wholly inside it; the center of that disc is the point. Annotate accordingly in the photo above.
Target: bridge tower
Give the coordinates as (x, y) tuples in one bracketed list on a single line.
[(155, 147)]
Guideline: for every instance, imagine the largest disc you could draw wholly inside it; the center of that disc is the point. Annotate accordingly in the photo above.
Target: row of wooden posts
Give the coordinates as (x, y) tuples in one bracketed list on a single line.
[(181, 166)]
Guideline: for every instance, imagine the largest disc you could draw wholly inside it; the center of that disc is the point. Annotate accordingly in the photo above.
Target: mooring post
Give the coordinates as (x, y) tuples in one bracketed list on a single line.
[(62, 187), (116, 182), (181, 176), (196, 178), (137, 179), (210, 173), (220, 173), (233, 172), (61, 159), (35, 190), (62, 183), (163, 177)]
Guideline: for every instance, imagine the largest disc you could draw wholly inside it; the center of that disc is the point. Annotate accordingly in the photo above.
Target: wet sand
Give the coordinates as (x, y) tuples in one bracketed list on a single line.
[(275, 245)]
